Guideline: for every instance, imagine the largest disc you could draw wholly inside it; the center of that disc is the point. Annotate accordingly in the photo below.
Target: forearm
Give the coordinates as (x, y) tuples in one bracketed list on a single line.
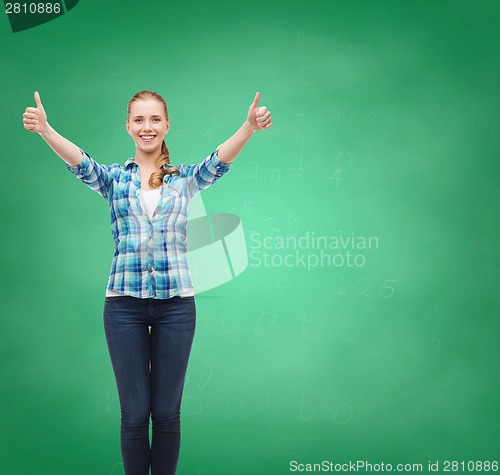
[(230, 149), (67, 150)]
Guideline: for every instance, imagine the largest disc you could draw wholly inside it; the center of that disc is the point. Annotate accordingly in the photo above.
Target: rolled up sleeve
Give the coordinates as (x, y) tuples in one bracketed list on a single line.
[(96, 176), (206, 173)]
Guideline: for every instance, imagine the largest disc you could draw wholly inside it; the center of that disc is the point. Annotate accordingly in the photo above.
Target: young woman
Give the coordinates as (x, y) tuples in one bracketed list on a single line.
[(149, 307)]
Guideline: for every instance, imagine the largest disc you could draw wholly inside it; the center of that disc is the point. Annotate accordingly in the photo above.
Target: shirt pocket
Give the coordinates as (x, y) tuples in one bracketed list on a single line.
[(173, 199), (122, 206)]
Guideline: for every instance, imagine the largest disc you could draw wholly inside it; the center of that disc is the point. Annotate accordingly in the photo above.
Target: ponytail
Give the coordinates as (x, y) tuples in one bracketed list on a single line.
[(156, 178)]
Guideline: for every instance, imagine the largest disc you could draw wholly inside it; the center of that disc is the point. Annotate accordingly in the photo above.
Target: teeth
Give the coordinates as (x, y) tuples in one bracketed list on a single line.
[(148, 137)]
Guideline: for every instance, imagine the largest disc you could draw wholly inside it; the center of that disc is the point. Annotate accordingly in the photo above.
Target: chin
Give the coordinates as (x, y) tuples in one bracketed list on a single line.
[(149, 149)]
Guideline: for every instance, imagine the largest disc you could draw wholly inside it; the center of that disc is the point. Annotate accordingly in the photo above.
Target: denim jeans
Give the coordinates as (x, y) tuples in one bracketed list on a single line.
[(150, 369)]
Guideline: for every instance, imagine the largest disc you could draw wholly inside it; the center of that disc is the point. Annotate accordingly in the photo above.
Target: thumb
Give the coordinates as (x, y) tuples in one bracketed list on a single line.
[(256, 99), (37, 100)]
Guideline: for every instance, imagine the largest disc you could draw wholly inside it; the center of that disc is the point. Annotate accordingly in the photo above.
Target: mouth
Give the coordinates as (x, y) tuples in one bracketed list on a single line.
[(147, 138)]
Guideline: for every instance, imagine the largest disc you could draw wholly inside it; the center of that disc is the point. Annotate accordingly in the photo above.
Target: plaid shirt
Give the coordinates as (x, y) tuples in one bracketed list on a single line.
[(150, 258)]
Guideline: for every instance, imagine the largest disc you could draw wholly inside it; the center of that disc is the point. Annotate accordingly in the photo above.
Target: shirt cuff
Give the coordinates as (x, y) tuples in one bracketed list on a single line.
[(82, 168), (218, 162)]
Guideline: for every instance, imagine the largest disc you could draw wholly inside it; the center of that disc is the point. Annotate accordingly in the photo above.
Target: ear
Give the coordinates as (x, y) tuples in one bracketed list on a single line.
[(167, 126), (128, 127)]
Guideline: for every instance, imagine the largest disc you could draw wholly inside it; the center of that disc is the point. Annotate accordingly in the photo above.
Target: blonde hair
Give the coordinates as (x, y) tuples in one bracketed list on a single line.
[(156, 178)]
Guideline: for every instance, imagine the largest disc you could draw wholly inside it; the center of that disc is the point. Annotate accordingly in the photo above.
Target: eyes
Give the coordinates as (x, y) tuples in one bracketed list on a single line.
[(155, 120)]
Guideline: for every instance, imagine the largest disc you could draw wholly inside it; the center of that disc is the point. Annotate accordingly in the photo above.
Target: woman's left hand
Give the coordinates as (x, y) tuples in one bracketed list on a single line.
[(259, 118)]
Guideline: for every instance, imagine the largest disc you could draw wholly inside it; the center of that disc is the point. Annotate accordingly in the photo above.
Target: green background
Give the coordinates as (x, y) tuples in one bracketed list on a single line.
[(385, 123)]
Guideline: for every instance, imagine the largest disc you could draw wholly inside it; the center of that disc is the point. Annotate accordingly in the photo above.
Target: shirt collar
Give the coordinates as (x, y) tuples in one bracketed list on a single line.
[(130, 161)]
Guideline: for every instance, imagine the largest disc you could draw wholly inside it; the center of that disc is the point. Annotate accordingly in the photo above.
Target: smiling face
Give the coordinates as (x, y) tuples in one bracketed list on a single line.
[(147, 125)]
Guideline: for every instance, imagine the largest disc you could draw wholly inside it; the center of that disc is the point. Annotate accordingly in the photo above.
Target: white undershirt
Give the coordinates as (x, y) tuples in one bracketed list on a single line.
[(149, 202)]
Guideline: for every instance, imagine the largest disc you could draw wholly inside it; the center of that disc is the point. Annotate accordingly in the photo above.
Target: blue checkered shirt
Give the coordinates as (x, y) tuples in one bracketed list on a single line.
[(150, 258)]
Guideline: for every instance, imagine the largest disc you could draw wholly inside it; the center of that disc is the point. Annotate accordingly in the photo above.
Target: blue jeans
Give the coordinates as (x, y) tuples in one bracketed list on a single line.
[(150, 369)]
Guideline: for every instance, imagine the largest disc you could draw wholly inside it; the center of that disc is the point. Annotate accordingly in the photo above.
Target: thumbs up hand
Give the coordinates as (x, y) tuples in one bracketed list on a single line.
[(259, 118), (35, 119)]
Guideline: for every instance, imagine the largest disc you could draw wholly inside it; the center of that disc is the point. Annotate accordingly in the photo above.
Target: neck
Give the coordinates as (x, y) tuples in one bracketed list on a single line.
[(146, 159)]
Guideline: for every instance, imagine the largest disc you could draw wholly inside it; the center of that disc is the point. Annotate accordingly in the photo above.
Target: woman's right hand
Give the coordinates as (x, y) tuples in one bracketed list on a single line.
[(35, 119)]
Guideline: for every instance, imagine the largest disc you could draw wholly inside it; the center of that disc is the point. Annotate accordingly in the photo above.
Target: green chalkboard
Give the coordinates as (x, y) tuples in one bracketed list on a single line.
[(359, 320)]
